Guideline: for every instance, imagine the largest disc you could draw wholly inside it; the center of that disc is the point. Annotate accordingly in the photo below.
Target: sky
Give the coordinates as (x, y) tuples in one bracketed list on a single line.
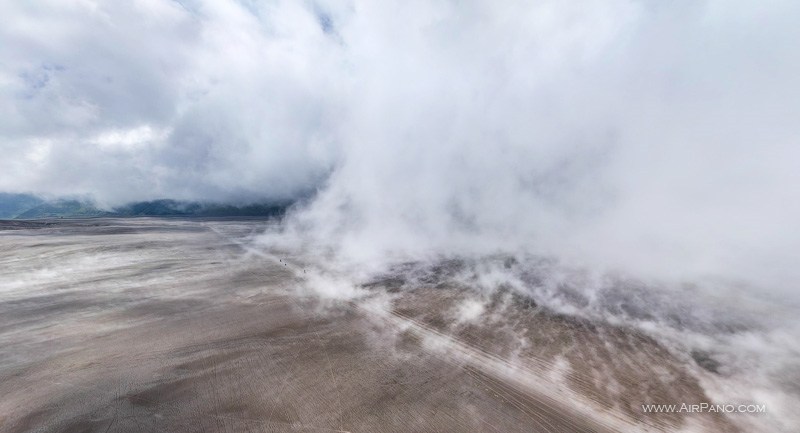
[(660, 137)]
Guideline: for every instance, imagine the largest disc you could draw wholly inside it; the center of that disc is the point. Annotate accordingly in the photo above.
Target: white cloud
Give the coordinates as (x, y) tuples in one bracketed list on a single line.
[(652, 136)]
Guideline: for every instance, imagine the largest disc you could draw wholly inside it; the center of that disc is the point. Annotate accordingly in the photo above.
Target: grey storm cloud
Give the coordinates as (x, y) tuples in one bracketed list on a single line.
[(659, 136), (136, 100)]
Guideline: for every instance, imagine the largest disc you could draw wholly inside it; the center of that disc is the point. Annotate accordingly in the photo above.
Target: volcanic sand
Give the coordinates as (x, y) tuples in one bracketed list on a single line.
[(170, 325)]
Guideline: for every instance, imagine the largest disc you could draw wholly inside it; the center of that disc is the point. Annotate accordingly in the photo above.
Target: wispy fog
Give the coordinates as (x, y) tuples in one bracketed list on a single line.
[(656, 138)]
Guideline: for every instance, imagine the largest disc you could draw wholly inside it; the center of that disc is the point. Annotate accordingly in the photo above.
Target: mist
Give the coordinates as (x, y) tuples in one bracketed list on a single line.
[(552, 179), (635, 161), (655, 139)]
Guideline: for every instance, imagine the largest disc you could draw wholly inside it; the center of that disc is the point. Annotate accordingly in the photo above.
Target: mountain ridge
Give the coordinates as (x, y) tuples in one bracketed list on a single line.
[(27, 206)]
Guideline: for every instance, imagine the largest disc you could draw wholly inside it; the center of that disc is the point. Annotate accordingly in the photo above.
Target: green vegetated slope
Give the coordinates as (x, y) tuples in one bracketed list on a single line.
[(25, 206)]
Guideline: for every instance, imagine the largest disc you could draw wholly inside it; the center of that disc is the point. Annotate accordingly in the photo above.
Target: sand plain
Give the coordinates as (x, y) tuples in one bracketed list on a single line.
[(148, 325)]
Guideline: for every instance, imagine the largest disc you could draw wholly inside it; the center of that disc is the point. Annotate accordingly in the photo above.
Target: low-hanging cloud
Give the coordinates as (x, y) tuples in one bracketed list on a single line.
[(659, 138), (150, 99)]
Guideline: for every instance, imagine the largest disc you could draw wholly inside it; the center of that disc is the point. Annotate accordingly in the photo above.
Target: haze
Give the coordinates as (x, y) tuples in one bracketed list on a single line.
[(616, 140)]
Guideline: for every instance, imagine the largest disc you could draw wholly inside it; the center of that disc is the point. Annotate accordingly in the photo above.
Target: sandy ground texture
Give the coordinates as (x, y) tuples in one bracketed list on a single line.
[(147, 325)]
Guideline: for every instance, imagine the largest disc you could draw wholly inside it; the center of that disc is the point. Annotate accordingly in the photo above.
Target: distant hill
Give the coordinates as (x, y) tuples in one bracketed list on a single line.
[(181, 208), (12, 205), (62, 208), (23, 206)]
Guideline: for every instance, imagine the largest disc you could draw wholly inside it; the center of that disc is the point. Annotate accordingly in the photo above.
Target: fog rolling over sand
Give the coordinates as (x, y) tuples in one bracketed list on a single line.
[(198, 325), (503, 216)]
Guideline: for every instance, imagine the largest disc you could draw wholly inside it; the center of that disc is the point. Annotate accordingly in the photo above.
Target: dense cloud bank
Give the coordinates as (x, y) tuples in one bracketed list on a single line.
[(151, 99), (660, 138)]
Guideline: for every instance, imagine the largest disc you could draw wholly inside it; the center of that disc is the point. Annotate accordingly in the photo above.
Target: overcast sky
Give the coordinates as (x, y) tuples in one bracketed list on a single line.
[(661, 135)]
